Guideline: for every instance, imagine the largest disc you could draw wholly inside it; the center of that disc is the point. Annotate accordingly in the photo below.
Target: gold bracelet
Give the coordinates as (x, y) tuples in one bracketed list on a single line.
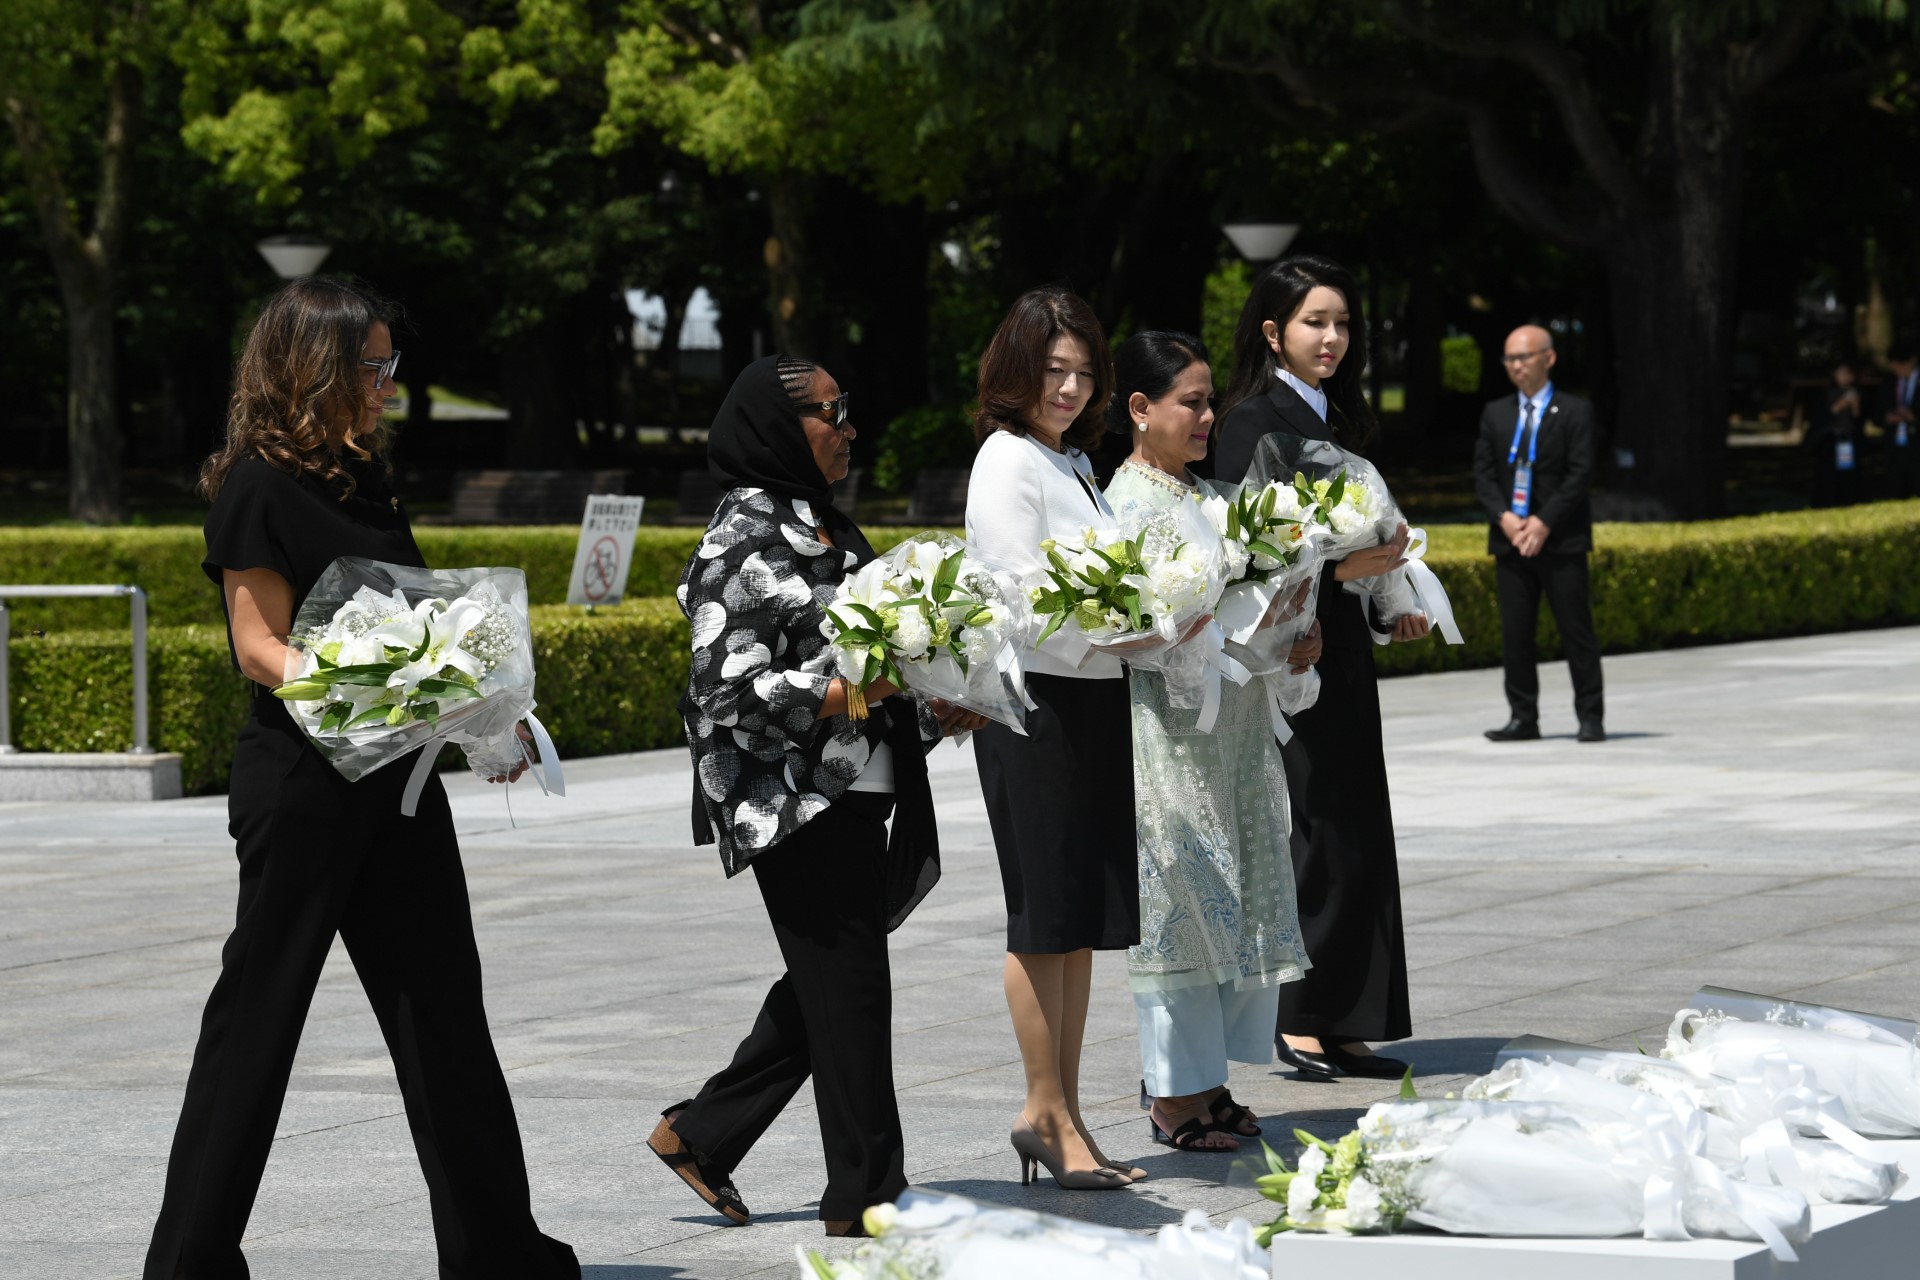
[(856, 701)]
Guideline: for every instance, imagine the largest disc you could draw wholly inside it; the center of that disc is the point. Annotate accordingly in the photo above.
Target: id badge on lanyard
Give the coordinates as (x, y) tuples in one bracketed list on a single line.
[(1843, 455), (1522, 488)]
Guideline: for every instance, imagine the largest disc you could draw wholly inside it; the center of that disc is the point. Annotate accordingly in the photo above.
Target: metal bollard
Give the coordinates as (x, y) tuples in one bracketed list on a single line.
[(6, 699), (136, 597)]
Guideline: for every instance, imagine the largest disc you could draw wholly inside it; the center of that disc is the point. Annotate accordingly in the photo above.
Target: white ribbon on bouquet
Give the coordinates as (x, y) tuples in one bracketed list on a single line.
[(546, 770), (1219, 665), (1427, 589), (1681, 1146)]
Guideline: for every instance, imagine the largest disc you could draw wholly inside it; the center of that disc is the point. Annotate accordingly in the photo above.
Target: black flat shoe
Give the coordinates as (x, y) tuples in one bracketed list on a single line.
[(1311, 1066), (1515, 731), (716, 1189), (1372, 1066), (854, 1230), (1592, 731)]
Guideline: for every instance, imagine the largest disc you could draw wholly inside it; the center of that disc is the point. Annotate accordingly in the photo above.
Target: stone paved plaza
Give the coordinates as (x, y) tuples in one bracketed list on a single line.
[(1752, 823)]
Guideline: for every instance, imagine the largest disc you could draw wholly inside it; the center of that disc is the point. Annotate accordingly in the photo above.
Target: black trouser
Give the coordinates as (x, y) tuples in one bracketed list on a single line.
[(1563, 580), (1903, 467), (318, 856), (830, 1015)]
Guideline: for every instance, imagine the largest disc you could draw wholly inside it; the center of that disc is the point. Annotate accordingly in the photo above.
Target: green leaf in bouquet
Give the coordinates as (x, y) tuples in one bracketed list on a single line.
[(1054, 622), (865, 614), (822, 1269), (399, 714), (370, 715), (1407, 1092), (1264, 1236), (428, 711), (1274, 1163), (1308, 1140), (335, 716), (371, 673), (1338, 489), (1059, 563), (1263, 545), (948, 572), (436, 687)]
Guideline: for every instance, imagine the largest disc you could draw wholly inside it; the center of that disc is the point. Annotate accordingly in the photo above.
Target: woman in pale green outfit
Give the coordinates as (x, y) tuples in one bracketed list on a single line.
[(1218, 929)]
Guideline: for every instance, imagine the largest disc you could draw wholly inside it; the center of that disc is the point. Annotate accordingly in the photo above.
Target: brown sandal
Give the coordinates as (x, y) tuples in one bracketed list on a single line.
[(718, 1193)]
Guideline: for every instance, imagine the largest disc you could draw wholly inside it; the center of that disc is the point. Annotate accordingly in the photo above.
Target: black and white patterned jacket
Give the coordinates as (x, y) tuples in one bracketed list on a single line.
[(764, 763)]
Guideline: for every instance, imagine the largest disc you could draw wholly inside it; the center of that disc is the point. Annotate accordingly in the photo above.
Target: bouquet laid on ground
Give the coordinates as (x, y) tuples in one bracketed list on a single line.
[(932, 619), (388, 659), (1352, 505), (1525, 1169), (936, 1237), (1273, 550)]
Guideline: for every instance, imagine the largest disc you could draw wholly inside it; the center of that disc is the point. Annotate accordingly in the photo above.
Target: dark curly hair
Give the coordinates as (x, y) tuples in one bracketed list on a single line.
[(299, 387)]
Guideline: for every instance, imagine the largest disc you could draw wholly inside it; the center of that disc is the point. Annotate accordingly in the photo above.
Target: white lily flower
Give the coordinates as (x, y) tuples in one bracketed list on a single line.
[(441, 627)]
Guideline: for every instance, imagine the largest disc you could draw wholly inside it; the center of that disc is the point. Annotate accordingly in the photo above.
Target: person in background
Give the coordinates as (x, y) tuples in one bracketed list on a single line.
[(1834, 439), (300, 482), (1298, 353), (1532, 465), (1219, 932), (1901, 402)]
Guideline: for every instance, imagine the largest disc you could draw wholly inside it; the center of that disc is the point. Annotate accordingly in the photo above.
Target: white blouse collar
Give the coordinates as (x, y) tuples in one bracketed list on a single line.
[(1316, 398)]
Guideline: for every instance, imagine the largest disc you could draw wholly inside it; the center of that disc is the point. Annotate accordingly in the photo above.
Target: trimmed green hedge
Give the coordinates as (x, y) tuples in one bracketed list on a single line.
[(166, 562), (611, 681)]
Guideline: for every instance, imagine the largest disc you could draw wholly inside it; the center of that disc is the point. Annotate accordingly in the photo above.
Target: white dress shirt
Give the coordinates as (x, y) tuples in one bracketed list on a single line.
[(1316, 398), (1020, 494)]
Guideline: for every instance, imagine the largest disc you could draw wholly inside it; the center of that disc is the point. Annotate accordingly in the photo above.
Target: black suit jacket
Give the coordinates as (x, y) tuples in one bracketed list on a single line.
[(1562, 472), (1281, 409)]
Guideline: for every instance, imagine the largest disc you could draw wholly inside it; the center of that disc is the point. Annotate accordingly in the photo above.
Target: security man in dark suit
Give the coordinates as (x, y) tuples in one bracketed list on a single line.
[(1532, 466)]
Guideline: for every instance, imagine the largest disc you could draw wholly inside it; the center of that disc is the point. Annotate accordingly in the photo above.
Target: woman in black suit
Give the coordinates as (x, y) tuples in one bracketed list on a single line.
[(301, 481), (1298, 352)]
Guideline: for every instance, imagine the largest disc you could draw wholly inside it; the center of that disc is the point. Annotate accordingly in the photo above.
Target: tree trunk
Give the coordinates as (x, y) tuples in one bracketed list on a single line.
[(93, 418), (795, 328)]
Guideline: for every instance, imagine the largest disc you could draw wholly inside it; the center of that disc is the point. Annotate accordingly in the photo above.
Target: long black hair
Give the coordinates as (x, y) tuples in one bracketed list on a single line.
[(1149, 362), (1277, 296)]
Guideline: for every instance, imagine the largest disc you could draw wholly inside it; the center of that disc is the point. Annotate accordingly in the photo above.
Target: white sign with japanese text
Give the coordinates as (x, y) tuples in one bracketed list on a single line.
[(605, 553)]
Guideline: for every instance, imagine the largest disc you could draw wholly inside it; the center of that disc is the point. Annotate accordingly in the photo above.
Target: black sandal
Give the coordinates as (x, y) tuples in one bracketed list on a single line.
[(1188, 1136), (717, 1192), (1229, 1115)]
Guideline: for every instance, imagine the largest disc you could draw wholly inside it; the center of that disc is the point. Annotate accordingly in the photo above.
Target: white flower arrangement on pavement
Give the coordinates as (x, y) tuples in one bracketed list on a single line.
[(931, 618), (942, 1237), (387, 659)]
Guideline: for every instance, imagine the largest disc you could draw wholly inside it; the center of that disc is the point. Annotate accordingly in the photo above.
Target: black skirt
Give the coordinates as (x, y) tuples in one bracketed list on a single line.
[(1345, 870), (1060, 801)]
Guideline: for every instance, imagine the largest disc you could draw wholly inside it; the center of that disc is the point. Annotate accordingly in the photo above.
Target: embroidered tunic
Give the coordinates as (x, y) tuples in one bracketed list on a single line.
[(1216, 878)]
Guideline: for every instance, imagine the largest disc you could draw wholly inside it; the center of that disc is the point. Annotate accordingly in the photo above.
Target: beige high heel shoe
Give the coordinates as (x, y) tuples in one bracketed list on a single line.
[(1033, 1149)]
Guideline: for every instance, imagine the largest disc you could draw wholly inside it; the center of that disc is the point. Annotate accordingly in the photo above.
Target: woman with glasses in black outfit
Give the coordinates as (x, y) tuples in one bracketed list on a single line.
[(300, 482)]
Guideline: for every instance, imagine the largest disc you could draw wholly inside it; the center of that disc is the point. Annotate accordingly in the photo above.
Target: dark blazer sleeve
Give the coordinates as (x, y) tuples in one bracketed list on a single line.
[(1570, 496), (1240, 434), (1487, 487)]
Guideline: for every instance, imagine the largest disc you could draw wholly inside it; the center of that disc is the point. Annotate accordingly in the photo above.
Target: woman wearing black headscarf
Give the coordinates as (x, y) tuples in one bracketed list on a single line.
[(795, 774)]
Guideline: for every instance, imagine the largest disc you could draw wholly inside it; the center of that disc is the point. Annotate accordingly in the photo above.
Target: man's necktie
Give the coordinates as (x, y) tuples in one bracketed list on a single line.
[(1527, 428)]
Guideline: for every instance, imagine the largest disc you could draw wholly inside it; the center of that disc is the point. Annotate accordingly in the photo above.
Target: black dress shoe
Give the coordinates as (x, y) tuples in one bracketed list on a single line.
[(1515, 731), (1374, 1066), (1311, 1066), (1591, 731)]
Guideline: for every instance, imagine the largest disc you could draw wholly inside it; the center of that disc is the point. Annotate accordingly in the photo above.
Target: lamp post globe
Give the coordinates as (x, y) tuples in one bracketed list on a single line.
[(293, 256), (1261, 241)]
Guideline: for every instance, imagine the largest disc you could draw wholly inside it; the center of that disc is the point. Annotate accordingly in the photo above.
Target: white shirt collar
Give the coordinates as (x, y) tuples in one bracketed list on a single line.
[(1316, 398), (1546, 389)]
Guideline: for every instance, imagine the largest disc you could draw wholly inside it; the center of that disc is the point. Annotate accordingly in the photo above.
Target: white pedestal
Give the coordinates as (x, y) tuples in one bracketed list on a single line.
[(1854, 1242), (89, 776)]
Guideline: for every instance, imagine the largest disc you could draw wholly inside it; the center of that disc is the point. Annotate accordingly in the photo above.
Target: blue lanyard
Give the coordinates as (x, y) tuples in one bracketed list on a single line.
[(1533, 445)]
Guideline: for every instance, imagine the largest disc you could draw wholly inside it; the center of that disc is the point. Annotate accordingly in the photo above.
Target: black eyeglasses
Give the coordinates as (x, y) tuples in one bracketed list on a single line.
[(386, 369), (834, 410)]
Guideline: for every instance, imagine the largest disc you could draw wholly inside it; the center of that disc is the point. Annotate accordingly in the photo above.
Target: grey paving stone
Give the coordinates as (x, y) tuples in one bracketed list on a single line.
[(1554, 888)]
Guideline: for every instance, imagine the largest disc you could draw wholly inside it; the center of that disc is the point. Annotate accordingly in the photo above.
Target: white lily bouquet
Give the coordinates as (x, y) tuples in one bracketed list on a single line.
[(1351, 504), (931, 618), (944, 1237), (1158, 573), (388, 659), (1525, 1169), (1273, 552)]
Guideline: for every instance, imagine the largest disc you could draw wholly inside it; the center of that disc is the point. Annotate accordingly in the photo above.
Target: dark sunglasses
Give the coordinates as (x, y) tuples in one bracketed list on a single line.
[(834, 410)]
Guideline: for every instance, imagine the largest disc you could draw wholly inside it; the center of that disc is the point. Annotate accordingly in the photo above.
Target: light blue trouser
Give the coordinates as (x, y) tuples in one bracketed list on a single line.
[(1188, 1034)]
